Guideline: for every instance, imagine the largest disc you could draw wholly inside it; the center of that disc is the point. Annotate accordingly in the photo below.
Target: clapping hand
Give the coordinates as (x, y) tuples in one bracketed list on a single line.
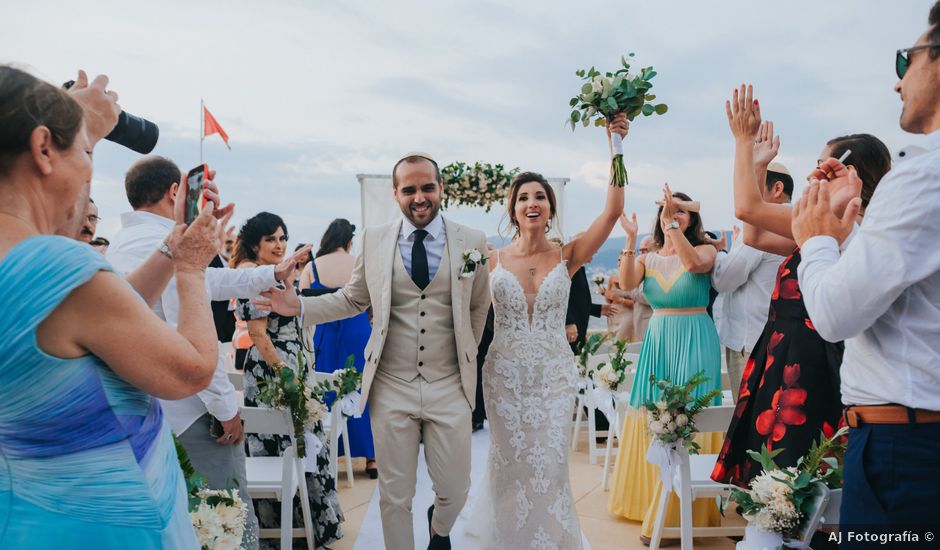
[(629, 226), (844, 183), (743, 114), (766, 144), (735, 232), (813, 215), (670, 206)]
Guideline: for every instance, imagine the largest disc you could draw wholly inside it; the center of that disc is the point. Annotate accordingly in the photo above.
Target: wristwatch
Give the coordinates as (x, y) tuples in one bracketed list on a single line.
[(672, 225), (165, 250)]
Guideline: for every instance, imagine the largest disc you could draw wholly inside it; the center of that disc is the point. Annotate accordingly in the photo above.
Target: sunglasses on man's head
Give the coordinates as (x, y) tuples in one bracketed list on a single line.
[(903, 58)]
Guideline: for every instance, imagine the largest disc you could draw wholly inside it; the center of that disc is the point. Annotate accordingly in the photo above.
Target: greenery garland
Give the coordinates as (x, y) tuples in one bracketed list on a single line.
[(481, 184)]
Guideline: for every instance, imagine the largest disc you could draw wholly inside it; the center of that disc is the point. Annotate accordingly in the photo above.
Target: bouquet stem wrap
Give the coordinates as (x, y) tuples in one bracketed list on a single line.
[(666, 456), (619, 171)]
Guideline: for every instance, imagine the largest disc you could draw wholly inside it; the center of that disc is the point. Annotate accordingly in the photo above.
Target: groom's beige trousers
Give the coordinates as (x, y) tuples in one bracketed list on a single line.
[(401, 412)]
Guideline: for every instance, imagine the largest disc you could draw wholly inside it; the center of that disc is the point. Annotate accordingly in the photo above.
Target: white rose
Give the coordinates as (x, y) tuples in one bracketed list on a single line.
[(671, 426), (662, 405), (665, 418), (682, 420), (656, 427), (597, 84), (475, 256)]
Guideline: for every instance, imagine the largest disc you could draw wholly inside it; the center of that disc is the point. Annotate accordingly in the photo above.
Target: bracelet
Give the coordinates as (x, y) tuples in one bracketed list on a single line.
[(165, 250), (628, 253)]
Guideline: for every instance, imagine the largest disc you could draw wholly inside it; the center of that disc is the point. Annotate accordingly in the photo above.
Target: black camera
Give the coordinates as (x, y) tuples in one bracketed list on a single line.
[(133, 132)]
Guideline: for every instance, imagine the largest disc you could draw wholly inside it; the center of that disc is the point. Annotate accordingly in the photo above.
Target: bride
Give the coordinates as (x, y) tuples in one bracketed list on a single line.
[(529, 377)]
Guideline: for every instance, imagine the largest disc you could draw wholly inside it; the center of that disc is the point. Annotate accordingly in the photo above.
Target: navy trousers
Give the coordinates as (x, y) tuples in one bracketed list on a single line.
[(891, 487)]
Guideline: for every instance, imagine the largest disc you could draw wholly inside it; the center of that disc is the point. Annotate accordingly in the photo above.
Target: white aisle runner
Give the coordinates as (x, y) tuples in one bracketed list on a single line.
[(370, 534)]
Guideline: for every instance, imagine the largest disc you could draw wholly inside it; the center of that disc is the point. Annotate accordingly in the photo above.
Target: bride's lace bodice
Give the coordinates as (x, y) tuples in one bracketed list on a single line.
[(529, 385)]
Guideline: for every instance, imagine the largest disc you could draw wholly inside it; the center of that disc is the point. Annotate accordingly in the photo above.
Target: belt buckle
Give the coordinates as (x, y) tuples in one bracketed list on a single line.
[(851, 417)]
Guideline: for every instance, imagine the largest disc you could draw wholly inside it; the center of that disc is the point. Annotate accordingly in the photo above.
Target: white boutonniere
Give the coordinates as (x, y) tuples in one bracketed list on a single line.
[(471, 259)]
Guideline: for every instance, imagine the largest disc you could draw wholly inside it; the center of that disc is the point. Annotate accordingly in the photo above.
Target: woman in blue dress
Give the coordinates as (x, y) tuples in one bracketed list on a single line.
[(86, 458), (334, 342)]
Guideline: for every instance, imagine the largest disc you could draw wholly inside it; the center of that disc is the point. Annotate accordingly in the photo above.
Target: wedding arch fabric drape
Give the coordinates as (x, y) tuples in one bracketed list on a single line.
[(378, 206)]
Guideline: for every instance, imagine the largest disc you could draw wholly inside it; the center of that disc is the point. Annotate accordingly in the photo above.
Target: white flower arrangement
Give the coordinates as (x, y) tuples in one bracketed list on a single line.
[(671, 416), (611, 376), (472, 258), (779, 501), (219, 519), (481, 184)]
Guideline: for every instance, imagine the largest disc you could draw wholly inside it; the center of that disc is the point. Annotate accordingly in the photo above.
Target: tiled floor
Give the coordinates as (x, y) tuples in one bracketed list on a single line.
[(603, 531)]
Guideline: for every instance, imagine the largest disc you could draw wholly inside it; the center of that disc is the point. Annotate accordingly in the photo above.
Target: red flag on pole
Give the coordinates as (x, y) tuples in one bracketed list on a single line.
[(211, 126)]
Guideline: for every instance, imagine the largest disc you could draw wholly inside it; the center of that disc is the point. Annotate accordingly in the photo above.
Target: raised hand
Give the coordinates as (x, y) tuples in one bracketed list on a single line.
[(288, 266), (629, 225), (743, 114), (766, 144), (619, 125), (100, 105), (735, 232), (210, 191)]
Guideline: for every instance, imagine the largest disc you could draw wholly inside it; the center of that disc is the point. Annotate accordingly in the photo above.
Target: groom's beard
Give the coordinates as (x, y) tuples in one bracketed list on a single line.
[(430, 213)]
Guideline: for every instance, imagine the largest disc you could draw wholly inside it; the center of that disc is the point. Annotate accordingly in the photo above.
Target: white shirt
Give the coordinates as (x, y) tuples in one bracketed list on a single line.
[(433, 243), (882, 296), (140, 235), (744, 279)]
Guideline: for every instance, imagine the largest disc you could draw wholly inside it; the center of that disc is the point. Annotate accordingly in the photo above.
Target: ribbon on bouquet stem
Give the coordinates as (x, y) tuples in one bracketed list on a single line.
[(616, 143), (666, 456), (605, 400), (349, 404)]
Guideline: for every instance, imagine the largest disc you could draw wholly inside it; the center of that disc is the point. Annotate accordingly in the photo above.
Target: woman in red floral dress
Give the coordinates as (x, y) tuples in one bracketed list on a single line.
[(790, 386)]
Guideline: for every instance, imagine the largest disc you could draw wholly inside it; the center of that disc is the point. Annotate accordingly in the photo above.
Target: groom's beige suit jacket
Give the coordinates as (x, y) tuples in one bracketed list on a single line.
[(371, 286)]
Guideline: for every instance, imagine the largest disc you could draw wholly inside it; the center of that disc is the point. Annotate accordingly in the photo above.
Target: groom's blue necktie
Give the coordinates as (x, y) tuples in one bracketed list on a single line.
[(419, 260)]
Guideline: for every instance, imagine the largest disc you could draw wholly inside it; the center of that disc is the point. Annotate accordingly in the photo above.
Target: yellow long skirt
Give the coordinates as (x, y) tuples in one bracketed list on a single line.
[(636, 484)]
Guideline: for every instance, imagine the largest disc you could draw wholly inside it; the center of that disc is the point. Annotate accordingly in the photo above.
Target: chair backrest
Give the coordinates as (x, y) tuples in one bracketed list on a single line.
[(597, 359), (227, 353), (267, 421), (237, 378), (635, 347), (323, 376), (714, 419)]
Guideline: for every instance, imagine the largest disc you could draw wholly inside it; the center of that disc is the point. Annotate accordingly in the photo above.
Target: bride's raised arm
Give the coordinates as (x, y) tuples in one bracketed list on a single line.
[(580, 250)]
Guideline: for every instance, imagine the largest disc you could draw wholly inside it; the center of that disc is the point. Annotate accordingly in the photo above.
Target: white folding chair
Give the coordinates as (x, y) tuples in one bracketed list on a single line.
[(825, 514), (635, 347), (691, 479), (616, 428), (335, 426), (227, 353), (586, 401), (278, 477), (237, 378)]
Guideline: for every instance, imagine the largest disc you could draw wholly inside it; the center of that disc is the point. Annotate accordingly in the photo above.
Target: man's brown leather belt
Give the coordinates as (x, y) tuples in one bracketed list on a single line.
[(857, 415)]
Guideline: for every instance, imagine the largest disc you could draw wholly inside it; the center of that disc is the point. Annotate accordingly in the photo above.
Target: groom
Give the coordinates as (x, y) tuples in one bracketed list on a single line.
[(420, 370)]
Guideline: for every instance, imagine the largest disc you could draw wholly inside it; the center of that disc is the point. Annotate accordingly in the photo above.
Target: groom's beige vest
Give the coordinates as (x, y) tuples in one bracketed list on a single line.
[(421, 337)]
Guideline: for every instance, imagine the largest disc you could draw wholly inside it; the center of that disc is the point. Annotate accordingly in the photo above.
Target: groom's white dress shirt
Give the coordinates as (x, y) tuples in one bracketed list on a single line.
[(882, 296), (434, 243), (140, 235)]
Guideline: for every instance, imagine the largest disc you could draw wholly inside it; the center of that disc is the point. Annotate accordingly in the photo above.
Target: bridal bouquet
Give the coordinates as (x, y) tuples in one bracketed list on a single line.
[(288, 391), (346, 386), (218, 516), (604, 96), (672, 416), (780, 501)]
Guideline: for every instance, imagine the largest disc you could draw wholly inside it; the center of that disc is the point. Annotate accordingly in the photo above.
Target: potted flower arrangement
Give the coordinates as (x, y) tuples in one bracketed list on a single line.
[(218, 516), (672, 422), (603, 96), (610, 379), (779, 502)]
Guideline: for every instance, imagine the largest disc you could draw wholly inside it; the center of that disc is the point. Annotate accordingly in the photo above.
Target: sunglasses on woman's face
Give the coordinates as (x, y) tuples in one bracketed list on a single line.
[(903, 58)]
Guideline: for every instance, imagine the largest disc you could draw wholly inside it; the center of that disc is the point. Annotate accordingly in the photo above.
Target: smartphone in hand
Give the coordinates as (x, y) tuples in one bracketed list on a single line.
[(194, 180)]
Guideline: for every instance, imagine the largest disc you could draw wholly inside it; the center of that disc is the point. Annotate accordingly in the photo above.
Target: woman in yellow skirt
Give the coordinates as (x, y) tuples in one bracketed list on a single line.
[(680, 341)]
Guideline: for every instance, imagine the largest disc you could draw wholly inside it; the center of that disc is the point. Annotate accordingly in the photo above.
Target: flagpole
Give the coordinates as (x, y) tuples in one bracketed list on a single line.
[(202, 129)]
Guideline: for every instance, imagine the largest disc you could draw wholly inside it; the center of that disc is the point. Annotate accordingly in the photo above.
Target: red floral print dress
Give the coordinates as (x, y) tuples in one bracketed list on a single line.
[(789, 388)]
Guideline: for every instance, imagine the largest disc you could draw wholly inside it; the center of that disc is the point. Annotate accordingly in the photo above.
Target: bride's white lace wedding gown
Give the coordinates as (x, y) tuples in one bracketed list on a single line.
[(529, 388)]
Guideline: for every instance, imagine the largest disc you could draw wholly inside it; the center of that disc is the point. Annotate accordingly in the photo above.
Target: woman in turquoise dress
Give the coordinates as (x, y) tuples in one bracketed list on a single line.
[(335, 341), (86, 457), (680, 341)]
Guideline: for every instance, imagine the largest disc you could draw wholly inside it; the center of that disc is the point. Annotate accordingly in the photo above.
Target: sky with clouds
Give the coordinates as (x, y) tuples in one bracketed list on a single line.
[(313, 93)]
